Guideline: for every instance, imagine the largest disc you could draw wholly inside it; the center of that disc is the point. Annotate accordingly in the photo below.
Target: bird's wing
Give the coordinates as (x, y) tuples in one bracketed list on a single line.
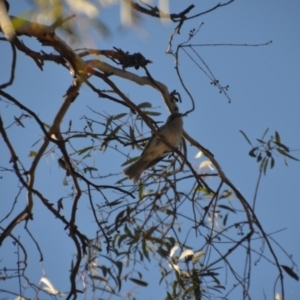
[(153, 141), (155, 161)]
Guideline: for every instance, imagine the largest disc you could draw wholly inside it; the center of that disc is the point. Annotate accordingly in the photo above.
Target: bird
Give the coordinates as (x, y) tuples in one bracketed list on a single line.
[(156, 149), (62, 163)]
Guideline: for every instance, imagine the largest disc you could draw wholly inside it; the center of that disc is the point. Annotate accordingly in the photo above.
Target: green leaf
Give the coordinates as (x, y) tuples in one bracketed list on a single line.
[(132, 136), (209, 273), (115, 202), (121, 180), (119, 116), (104, 270), (152, 113), (119, 265), (145, 250), (141, 190), (119, 217), (84, 150), (121, 239), (245, 136), (144, 105), (139, 282), (226, 194), (116, 279), (162, 252), (128, 232), (87, 155), (216, 280), (282, 146), (115, 131), (259, 157), (169, 212), (70, 125), (290, 272), (97, 277), (272, 162), (109, 120), (32, 154), (265, 166), (225, 219), (261, 166), (252, 152), (286, 154), (264, 134), (277, 137), (227, 207), (193, 288), (261, 141), (106, 289), (141, 255)]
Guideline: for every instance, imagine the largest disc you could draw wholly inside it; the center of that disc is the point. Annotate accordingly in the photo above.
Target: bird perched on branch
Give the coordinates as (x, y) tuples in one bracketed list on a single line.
[(156, 149)]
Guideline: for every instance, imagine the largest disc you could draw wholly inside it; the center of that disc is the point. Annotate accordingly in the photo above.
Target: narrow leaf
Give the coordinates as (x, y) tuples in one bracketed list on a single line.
[(84, 150), (227, 207), (206, 164), (265, 166), (139, 282), (264, 134), (261, 141), (225, 219), (145, 105), (286, 154), (197, 256), (245, 136), (115, 131), (199, 154), (186, 253), (277, 137), (97, 277), (272, 162), (173, 250), (262, 164), (282, 146), (152, 113), (290, 272), (119, 116), (70, 125), (259, 157), (252, 152)]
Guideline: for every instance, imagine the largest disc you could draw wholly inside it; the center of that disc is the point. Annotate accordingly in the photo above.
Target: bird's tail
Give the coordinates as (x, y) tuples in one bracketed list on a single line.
[(136, 169)]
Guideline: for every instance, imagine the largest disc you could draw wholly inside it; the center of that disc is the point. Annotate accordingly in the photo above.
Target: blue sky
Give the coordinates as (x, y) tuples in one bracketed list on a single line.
[(264, 92)]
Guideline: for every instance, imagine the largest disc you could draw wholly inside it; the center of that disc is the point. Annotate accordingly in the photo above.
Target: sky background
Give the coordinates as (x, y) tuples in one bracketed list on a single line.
[(264, 89)]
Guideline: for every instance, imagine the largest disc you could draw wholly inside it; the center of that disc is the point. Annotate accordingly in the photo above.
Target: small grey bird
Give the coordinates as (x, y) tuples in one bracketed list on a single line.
[(156, 149), (62, 163)]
